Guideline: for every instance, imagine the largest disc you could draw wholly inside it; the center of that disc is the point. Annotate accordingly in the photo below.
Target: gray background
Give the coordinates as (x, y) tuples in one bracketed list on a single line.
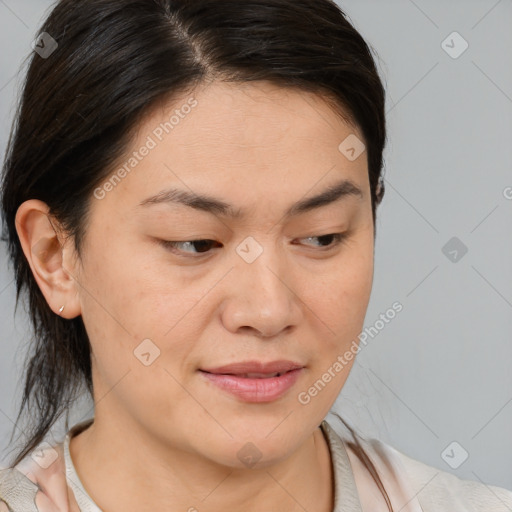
[(440, 371)]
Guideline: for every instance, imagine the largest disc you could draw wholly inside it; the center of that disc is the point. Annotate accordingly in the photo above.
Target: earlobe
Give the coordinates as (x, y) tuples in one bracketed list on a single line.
[(380, 190), (46, 255)]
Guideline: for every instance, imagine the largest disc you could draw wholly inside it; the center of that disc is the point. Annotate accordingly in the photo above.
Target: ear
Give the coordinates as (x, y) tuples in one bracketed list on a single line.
[(49, 255)]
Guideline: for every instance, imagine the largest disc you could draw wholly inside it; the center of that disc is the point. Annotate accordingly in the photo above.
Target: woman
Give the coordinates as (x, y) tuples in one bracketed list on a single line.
[(189, 197)]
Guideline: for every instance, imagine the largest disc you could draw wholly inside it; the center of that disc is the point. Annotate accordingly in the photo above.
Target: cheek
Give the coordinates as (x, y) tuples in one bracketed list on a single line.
[(338, 300), (340, 291), (118, 277), (111, 278), (135, 297)]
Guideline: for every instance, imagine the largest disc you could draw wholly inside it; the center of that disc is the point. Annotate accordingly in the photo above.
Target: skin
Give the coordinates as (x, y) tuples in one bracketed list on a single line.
[(260, 148)]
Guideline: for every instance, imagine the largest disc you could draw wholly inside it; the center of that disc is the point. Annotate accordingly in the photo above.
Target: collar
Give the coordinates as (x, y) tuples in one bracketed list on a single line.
[(346, 498)]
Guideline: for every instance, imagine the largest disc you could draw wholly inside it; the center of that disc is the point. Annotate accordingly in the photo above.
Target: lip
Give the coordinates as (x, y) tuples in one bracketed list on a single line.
[(230, 378), (253, 389), (243, 367)]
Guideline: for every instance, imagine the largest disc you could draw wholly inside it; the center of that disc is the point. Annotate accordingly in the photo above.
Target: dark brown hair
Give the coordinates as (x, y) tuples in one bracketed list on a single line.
[(115, 61)]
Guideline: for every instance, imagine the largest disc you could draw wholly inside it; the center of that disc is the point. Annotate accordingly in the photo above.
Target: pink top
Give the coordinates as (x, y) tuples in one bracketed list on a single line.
[(46, 481)]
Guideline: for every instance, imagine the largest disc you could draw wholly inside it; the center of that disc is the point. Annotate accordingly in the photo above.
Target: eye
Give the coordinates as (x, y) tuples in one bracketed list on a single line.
[(201, 245), (204, 246), (336, 239)]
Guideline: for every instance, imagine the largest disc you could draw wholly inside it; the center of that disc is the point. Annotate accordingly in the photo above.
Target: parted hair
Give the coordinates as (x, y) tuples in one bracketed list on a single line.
[(80, 106)]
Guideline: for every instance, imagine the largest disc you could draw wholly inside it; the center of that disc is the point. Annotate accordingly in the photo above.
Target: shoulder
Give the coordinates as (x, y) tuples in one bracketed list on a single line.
[(434, 489), (413, 486), (37, 483)]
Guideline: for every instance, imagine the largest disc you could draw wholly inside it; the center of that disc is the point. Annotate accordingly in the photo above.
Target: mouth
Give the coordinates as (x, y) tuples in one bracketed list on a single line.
[(251, 375), (255, 369), (255, 387)]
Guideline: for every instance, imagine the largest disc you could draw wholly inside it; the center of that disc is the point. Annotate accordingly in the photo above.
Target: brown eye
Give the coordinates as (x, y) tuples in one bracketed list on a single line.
[(200, 246), (328, 241)]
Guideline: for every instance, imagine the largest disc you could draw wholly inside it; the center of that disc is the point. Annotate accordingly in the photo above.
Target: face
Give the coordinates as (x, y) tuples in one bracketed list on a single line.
[(256, 273)]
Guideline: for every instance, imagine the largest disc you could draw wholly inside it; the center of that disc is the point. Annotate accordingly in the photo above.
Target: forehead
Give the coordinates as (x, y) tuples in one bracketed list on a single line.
[(250, 115), (240, 141)]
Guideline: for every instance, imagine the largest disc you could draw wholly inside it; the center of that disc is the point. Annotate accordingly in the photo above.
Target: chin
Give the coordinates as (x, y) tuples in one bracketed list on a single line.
[(253, 451)]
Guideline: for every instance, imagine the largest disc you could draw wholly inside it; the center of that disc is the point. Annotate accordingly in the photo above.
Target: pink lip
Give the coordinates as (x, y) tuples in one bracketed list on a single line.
[(255, 390), (255, 367)]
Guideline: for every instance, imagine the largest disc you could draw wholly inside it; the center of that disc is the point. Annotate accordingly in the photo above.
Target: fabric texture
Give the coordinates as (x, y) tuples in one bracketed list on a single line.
[(47, 481)]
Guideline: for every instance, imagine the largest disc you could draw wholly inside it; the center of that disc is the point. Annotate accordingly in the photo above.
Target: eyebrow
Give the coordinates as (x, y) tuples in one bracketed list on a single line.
[(212, 205)]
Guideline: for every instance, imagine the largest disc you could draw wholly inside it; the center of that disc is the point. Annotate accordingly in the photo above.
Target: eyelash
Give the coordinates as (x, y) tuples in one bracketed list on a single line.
[(171, 245)]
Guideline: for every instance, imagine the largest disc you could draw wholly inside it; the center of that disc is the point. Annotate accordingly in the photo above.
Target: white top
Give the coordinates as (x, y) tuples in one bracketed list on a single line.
[(52, 484)]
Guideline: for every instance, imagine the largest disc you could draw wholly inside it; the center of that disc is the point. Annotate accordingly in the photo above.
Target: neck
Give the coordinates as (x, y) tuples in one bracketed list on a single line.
[(155, 476)]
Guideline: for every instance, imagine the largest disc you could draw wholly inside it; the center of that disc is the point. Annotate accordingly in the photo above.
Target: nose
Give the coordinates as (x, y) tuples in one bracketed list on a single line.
[(263, 296)]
